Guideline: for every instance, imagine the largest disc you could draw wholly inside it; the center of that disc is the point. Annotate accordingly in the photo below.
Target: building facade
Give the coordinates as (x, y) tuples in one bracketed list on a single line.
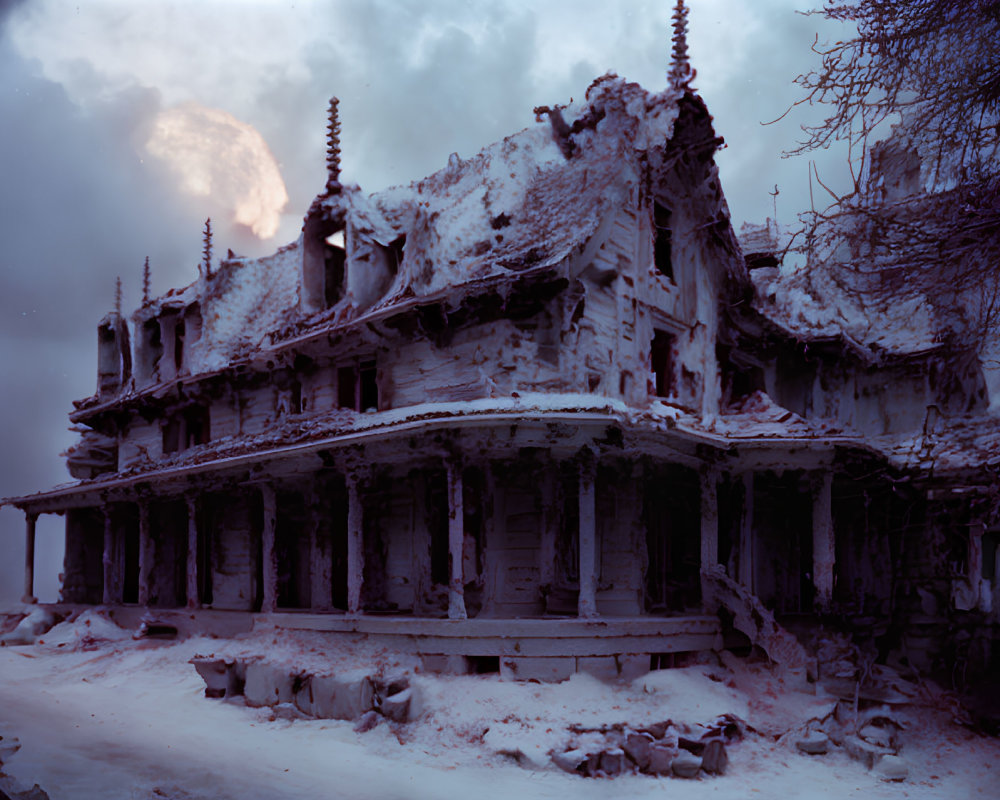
[(532, 413)]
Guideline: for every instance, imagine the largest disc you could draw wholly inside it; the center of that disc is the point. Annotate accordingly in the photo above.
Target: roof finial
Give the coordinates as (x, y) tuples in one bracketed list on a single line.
[(206, 250), (118, 296), (333, 146), (680, 74), (145, 282)]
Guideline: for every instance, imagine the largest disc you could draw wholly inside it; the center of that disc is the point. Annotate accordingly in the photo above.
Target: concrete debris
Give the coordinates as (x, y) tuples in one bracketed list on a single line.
[(367, 721), (686, 765), (752, 618), (36, 623), (814, 743), (892, 768), (868, 754), (714, 758)]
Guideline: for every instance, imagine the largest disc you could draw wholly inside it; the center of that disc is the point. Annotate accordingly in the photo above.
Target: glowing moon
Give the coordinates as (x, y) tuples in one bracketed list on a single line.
[(214, 154)]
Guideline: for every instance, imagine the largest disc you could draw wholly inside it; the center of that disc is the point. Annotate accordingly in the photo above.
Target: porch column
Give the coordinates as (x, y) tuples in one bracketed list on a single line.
[(709, 519), (746, 533), (109, 595), (30, 518), (270, 563), (145, 554), (355, 545), (824, 552), (193, 599), (456, 541), (587, 606)]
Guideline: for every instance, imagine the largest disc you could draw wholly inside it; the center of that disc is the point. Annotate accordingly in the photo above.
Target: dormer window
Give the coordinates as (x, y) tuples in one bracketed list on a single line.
[(334, 259), (394, 253), (663, 241), (186, 428)]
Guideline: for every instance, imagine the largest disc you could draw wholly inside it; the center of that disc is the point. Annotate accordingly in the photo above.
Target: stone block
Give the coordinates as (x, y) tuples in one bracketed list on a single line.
[(444, 665), (891, 768), (546, 669), (397, 706), (571, 761), (714, 758), (686, 765), (601, 667), (661, 758), (637, 747), (268, 685), (215, 673), (346, 696), (813, 743)]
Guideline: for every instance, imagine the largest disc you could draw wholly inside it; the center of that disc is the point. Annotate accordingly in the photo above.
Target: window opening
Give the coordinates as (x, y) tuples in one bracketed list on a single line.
[(663, 241), (662, 358)]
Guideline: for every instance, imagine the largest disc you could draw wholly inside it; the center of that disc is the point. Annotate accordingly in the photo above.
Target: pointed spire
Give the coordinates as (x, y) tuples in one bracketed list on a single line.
[(680, 74), (333, 146), (118, 296), (145, 282), (206, 250)]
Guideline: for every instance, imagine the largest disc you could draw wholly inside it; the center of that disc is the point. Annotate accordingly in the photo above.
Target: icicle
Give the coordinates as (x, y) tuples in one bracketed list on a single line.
[(680, 73), (206, 251), (333, 146), (118, 296), (145, 282)]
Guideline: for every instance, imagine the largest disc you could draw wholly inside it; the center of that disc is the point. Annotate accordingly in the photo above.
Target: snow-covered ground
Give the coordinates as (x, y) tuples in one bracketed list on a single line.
[(100, 715)]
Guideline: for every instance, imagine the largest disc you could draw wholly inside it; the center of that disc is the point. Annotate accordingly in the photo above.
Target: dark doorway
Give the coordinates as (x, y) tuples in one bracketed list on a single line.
[(783, 541), (672, 518)]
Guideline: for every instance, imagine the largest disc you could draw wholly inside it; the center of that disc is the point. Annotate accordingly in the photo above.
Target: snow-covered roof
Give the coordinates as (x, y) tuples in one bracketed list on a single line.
[(518, 205), (812, 303)]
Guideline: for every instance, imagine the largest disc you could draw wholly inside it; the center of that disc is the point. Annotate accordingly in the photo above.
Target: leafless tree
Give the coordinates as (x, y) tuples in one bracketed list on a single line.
[(932, 69)]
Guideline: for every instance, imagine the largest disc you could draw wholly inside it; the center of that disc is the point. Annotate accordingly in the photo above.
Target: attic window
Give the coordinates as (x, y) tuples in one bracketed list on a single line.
[(334, 259), (662, 362), (663, 241), (394, 253)]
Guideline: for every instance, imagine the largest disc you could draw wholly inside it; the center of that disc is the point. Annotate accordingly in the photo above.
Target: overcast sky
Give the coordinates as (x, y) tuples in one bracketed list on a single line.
[(123, 125)]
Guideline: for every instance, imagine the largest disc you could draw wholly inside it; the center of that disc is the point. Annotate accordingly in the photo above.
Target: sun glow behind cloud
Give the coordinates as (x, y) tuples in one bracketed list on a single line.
[(215, 155)]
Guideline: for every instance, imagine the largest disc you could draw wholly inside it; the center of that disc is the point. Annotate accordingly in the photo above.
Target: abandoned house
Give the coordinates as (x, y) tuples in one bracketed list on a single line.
[(538, 412)]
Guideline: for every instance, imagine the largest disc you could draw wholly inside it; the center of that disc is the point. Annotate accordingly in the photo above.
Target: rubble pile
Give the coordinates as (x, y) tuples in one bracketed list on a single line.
[(355, 695), (663, 749)]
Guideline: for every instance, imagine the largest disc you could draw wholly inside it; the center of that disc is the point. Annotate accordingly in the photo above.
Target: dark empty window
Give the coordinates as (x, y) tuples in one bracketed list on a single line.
[(347, 384), (197, 423), (357, 387), (662, 357), (369, 387), (395, 255), (172, 435), (662, 241)]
